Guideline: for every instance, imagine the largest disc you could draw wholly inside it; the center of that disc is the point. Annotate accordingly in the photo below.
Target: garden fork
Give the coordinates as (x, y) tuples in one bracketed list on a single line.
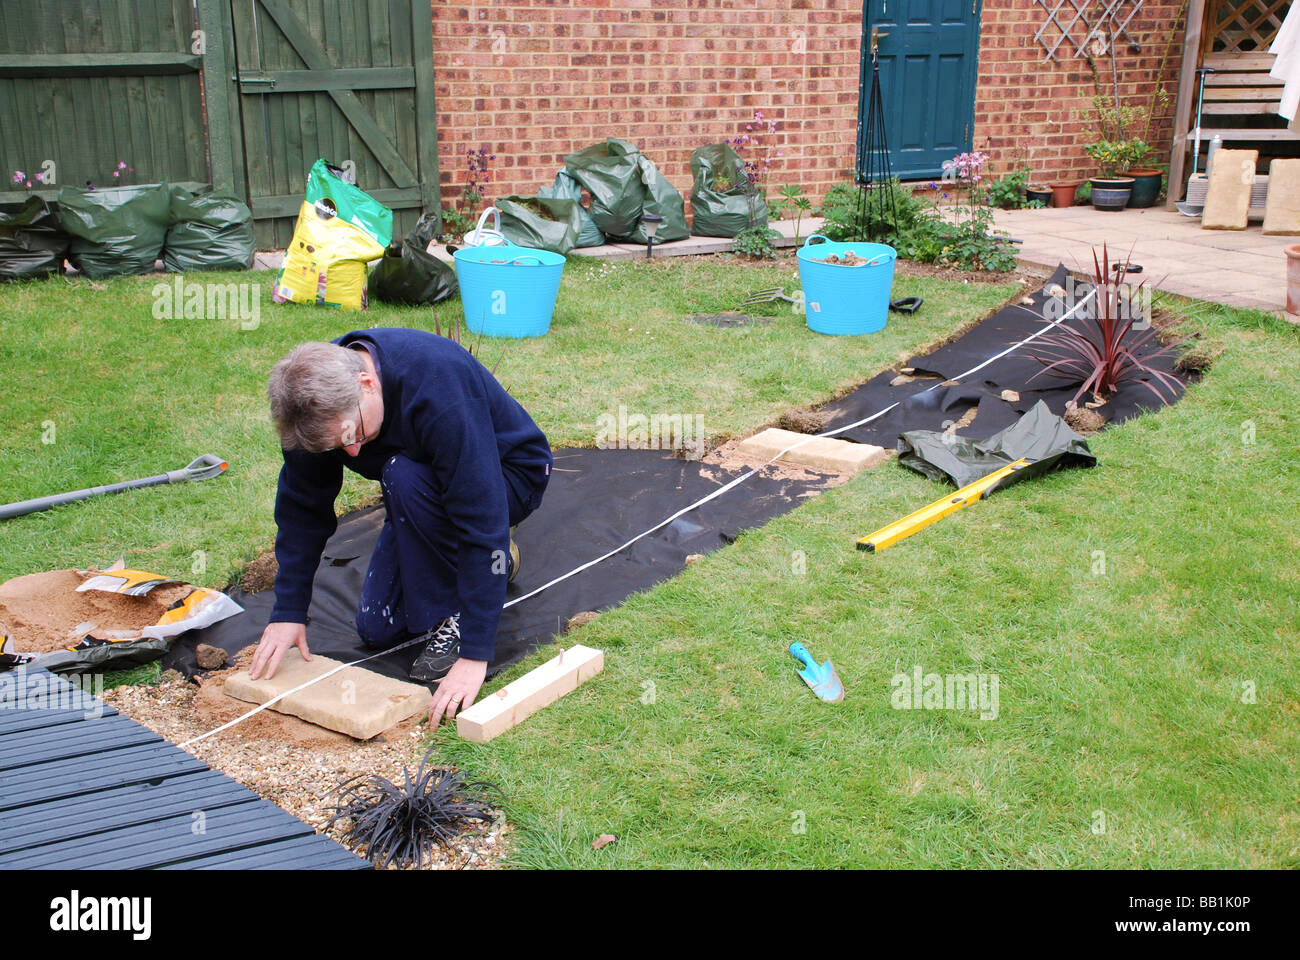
[(767, 296)]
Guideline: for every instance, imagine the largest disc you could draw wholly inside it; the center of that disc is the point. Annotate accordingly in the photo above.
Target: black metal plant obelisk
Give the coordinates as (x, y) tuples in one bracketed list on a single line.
[(876, 216)]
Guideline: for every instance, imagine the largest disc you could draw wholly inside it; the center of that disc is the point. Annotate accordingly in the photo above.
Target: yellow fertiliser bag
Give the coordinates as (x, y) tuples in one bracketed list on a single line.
[(326, 261)]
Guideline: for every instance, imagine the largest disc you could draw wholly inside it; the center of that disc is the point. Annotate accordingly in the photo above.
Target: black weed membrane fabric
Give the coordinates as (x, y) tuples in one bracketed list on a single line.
[(597, 500), (931, 403)]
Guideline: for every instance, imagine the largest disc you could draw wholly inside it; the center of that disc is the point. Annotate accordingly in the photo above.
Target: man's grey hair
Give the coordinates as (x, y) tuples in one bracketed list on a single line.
[(311, 390)]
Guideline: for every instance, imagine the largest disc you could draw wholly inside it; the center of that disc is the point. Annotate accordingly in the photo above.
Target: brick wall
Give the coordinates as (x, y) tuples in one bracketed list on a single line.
[(533, 80), (1028, 109)]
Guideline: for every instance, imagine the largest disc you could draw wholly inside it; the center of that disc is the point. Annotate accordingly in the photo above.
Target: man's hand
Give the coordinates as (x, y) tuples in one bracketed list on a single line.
[(458, 689), (277, 638)]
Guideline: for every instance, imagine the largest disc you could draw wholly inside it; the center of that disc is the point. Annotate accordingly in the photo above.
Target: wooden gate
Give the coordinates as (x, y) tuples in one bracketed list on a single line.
[(346, 81), (243, 94), (84, 86)]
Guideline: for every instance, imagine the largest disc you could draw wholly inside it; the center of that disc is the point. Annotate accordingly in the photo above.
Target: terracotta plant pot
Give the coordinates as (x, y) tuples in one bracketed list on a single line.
[(1146, 186), (1292, 277), (1039, 192), (1063, 193), (1110, 193)]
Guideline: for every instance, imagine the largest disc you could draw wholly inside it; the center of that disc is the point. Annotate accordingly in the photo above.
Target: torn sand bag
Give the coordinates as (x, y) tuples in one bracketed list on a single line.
[(409, 274), (1040, 437), (78, 621), (115, 231), (340, 229), (32, 244)]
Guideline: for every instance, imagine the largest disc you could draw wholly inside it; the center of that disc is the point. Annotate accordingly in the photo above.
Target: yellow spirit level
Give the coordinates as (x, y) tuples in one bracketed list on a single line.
[(910, 524)]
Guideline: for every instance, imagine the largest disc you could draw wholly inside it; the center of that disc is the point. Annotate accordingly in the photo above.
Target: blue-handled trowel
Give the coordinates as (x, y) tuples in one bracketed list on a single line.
[(823, 679)]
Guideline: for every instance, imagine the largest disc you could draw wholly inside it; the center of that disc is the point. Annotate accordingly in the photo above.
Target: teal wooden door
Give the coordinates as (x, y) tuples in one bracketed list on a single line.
[(928, 54)]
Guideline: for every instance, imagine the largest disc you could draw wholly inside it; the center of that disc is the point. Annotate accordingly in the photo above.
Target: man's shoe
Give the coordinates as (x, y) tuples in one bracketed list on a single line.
[(442, 649)]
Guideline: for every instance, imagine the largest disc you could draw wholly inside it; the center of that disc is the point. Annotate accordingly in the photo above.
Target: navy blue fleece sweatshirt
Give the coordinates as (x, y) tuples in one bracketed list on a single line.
[(441, 407)]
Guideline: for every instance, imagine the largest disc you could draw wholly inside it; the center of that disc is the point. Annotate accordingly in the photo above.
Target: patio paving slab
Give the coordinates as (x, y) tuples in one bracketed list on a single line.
[(1240, 268)]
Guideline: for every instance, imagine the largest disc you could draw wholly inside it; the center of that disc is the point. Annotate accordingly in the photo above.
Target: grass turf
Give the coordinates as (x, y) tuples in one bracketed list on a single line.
[(1141, 618)]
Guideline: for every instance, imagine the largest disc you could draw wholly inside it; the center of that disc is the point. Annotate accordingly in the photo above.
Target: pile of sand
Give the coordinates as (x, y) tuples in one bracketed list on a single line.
[(42, 612)]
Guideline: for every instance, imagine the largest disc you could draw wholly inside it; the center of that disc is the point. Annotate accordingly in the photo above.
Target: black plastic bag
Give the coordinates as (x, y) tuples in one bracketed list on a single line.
[(566, 188), (623, 184), (556, 230), (115, 231), (209, 231), (32, 244), (1040, 436), (722, 209), (408, 273)]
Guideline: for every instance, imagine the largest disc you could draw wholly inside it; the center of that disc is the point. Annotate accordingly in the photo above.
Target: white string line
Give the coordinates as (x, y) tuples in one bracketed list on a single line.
[(662, 523)]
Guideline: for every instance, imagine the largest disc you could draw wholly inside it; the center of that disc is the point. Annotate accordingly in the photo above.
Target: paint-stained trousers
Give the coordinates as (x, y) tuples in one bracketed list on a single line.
[(417, 548)]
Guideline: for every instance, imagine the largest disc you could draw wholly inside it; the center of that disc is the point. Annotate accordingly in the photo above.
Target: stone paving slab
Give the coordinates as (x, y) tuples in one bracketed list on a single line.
[(1241, 268)]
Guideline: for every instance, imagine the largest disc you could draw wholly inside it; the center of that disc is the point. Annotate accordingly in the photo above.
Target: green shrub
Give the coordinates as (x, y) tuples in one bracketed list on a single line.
[(842, 222)]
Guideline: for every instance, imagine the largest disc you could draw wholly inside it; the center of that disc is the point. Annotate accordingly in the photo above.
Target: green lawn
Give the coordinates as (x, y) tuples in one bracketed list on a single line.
[(1141, 617), (98, 391)]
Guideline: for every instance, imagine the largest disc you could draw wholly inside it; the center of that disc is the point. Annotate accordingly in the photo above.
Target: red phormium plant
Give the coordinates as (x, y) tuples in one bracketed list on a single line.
[(1103, 351)]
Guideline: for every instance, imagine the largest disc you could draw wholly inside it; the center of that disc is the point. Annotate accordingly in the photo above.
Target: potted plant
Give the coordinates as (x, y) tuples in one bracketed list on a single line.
[(1146, 180), (1111, 190)]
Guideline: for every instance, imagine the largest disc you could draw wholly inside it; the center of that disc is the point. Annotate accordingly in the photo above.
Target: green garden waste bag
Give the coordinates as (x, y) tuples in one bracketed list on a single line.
[(664, 200), (623, 184), (718, 198), (409, 274), (32, 243), (566, 188), (543, 223), (326, 183), (209, 231), (119, 230)]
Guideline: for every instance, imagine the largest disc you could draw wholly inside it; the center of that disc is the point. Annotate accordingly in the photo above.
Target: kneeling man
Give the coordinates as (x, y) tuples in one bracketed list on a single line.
[(459, 463)]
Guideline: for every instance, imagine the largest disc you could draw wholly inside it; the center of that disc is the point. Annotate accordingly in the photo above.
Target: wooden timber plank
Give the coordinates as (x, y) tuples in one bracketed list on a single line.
[(426, 112), (520, 699)]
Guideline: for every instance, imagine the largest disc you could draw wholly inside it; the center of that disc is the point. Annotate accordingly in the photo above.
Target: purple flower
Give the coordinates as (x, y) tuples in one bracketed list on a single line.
[(19, 176), (121, 164)]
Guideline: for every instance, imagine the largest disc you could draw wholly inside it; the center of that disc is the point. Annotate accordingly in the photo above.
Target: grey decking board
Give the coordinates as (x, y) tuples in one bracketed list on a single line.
[(14, 721), (93, 813), (86, 791)]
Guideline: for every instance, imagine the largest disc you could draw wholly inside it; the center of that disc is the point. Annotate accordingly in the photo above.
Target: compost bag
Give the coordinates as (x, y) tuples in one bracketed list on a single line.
[(340, 229), (209, 231), (409, 274), (719, 198), (115, 231), (566, 188), (32, 243), (543, 223), (623, 184), (1040, 436)]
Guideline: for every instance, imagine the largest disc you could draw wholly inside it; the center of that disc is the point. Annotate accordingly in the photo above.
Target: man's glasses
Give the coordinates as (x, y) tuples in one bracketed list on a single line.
[(360, 436)]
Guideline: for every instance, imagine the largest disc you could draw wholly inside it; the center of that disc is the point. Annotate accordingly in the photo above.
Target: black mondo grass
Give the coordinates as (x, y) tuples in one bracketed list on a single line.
[(398, 824)]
